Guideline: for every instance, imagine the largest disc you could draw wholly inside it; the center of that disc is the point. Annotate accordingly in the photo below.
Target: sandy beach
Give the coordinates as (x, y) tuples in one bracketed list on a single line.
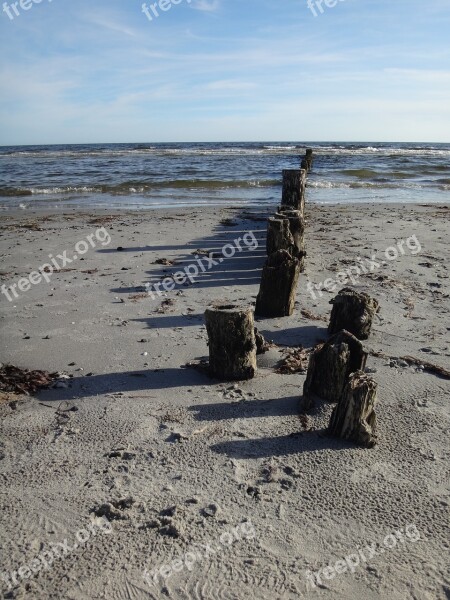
[(190, 488)]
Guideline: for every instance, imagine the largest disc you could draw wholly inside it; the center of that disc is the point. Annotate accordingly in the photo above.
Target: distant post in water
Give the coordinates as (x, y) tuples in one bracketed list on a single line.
[(307, 161), (294, 185), (232, 342)]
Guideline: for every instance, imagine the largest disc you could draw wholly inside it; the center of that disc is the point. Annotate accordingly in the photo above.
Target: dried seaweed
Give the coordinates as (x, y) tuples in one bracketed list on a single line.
[(22, 381), (295, 361), (165, 306), (309, 315)]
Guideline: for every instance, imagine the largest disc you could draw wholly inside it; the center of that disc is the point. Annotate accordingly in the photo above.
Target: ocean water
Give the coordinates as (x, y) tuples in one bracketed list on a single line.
[(227, 174)]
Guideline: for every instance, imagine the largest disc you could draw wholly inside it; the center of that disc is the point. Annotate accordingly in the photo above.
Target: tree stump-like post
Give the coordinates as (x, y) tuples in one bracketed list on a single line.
[(294, 184), (279, 280), (279, 235), (354, 416), (297, 229), (232, 343), (353, 311), (330, 365)]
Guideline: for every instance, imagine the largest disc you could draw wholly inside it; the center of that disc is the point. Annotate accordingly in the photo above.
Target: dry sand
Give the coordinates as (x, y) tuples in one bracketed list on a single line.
[(177, 460)]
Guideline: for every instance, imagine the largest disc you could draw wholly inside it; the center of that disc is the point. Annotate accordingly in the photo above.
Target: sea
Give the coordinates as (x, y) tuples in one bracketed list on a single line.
[(143, 176)]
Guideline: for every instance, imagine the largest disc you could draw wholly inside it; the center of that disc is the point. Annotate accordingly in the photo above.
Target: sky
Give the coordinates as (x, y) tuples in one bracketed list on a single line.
[(100, 71)]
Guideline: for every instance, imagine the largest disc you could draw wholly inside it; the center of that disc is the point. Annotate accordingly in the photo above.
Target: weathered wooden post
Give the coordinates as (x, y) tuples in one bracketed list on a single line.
[(297, 230), (354, 416), (232, 343), (309, 159), (353, 311), (279, 236), (330, 365), (294, 185), (279, 280)]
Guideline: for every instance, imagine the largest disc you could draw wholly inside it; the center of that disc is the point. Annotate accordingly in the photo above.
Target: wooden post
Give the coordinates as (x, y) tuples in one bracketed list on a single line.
[(279, 280), (297, 230), (232, 344), (294, 184), (353, 311), (354, 417), (307, 161), (330, 365), (279, 235)]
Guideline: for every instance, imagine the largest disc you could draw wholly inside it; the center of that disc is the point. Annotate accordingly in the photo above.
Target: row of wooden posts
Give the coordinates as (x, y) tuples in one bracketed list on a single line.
[(336, 371)]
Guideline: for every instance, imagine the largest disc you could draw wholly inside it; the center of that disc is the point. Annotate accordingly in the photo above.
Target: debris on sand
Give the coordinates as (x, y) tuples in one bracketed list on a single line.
[(90, 271), (22, 381), (228, 222), (138, 297), (165, 261), (165, 306), (103, 219), (295, 361), (411, 360), (310, 315)]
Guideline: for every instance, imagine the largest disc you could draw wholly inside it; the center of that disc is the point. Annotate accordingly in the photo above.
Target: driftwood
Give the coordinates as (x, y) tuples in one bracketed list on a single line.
[(279, 280), (232, 344), (294, 185), (353, 311), (429, 367), (330, 365), (354, 417)]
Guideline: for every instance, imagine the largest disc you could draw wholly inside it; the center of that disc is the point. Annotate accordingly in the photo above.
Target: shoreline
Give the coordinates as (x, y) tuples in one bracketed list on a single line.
[(266, 207)]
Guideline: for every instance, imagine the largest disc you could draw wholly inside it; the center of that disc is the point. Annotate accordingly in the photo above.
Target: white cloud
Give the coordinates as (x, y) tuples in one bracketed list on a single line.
[(206, 5)]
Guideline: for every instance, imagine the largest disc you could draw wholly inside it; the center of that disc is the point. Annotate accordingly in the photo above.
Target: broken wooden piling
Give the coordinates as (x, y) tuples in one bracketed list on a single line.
[(330, 365), (294, 185), (353, 311), (232, 343), (354, 417), (276, 297)]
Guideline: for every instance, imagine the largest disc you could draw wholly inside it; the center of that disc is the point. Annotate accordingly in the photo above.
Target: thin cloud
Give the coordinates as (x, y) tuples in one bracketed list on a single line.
[(206, 5)]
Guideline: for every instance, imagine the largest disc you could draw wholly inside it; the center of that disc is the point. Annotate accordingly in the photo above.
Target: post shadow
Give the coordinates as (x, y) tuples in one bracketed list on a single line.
[(303, 442)]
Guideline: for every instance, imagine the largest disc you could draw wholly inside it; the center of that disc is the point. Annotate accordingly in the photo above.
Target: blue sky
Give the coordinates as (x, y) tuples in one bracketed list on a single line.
[(86, 71)]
